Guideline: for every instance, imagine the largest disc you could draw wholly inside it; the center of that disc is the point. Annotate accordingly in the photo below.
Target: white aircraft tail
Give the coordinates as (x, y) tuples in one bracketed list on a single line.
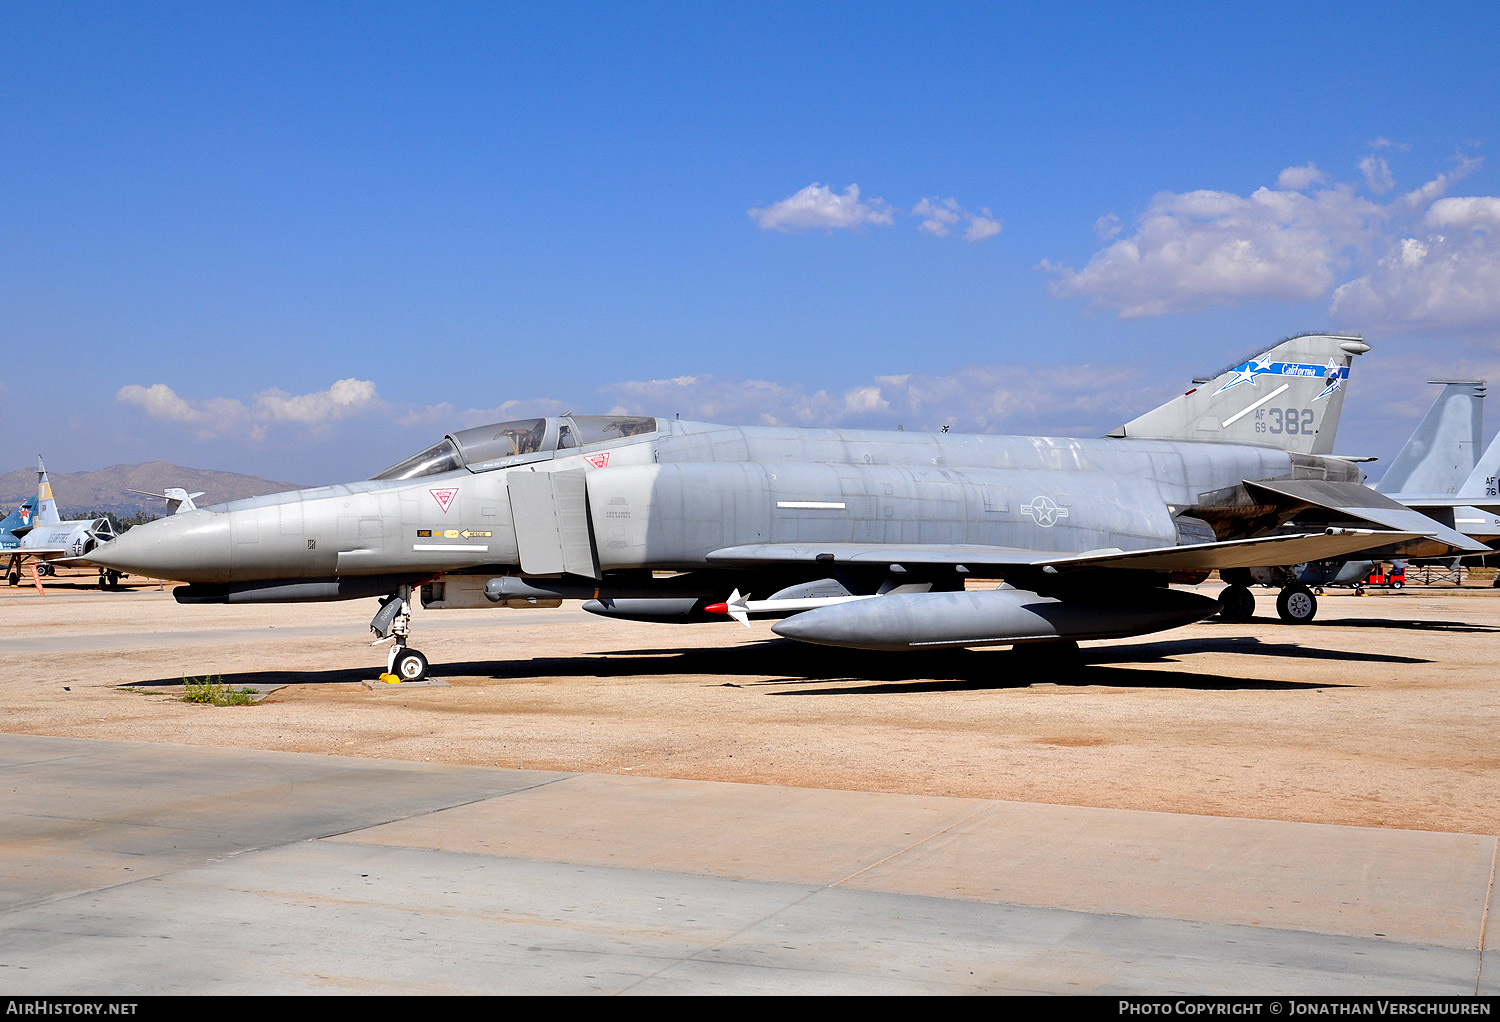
[(46, 507), (179, 501), (1441, 452), (1289, 397)]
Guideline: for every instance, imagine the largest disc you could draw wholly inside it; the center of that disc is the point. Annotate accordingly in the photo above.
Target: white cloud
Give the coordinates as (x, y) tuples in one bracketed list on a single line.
[(1384, 265), (1297, 178), (817, 206), (1419, 198), (445, 416), (218, 416), (1203, 248), (343, 399), (160, 402), (981, 227), (1446, 280), (716, 399), (939, 215), (865, 399), (1377, 172), (1057, 400)]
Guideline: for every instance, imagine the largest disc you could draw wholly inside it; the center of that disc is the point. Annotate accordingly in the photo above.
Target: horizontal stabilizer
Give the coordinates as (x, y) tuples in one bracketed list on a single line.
[(179, 500), (1361, 503)]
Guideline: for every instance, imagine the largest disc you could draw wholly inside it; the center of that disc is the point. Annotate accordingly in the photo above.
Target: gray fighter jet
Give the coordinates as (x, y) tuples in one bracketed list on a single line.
[(856, 538)]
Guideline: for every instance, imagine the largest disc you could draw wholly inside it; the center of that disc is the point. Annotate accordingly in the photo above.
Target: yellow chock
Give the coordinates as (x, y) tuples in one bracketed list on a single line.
[(390, 679)]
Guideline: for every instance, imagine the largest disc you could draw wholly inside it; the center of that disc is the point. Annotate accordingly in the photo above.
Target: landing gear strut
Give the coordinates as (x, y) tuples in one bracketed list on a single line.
[(393, 624)]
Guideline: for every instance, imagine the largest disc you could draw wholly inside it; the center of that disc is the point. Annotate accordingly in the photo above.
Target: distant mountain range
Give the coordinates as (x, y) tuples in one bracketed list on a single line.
[(107, 489)]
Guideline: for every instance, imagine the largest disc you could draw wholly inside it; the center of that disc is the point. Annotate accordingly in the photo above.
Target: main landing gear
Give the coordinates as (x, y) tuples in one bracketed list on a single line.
[(1238, 602), (393, 624), (1297, 605)]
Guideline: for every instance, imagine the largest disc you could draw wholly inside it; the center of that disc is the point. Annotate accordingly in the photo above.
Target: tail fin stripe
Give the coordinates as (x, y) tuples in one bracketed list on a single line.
[(1250, 408)]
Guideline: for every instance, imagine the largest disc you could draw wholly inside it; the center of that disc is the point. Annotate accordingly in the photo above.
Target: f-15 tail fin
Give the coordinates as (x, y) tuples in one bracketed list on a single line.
[(1441, 452), (1289, 397), (1484, 481)]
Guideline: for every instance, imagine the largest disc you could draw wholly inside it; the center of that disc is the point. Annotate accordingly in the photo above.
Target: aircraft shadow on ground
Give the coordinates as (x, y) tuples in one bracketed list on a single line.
[(779, 664), (1419, 626)]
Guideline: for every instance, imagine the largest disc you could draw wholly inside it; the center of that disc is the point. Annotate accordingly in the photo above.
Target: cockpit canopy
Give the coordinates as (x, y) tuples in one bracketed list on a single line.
[(485, 447)]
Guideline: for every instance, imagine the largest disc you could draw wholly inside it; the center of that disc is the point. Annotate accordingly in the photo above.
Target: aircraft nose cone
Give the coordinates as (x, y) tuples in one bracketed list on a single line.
[(192, 547)]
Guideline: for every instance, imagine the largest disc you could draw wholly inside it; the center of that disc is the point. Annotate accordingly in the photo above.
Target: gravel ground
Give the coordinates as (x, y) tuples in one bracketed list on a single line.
[(1382, 713)]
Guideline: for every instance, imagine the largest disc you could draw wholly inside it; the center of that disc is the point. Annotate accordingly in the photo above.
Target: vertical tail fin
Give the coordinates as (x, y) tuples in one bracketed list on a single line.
[(1288, 397), (22, 518), (1441, 453), (1484, 481), (46, 507)]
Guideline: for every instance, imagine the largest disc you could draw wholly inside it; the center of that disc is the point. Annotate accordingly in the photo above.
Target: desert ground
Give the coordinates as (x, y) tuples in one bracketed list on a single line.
[(1382, 713)]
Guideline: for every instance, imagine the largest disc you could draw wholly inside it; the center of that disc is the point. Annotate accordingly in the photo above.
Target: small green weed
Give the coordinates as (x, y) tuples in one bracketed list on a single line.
[(213, 691)]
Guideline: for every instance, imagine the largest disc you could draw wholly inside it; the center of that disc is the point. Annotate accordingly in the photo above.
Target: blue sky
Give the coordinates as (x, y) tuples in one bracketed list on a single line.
[(302, 241)]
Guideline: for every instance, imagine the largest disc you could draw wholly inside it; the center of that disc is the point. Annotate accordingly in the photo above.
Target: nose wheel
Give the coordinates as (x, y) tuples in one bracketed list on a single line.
[(408, 664), (393, 624)]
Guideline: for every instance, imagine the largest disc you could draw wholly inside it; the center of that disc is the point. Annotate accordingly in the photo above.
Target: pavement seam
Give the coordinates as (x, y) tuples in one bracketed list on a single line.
[(445, 808), (921, 841), (1484, 918)]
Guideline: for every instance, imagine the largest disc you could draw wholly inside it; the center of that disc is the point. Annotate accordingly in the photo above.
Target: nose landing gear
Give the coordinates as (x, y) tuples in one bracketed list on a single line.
[(393, 624)]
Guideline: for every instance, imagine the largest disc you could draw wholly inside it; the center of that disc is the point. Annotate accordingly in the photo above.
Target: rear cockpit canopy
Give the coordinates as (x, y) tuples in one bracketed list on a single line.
[(487, 447)]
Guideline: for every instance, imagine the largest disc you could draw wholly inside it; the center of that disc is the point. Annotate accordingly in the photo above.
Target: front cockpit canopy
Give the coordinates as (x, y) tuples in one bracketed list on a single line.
[(485, 447)]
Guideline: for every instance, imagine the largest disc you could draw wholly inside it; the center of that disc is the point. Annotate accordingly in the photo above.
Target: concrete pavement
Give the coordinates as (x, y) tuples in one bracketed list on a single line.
[(133, 868)]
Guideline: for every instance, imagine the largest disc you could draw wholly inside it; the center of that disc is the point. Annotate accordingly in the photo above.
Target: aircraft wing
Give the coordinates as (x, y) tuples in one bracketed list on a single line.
[(1359, 502), (1240, 553), (38, 550)]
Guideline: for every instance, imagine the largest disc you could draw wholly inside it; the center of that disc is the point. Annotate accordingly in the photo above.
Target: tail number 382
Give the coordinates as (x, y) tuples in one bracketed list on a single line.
[(1285, 420)]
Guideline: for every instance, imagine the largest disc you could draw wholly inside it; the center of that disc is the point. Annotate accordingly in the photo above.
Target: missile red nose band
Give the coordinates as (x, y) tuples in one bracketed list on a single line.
[(716, 608)]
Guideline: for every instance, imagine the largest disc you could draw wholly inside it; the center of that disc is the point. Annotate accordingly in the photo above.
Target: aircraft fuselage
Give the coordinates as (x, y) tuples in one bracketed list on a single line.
[(665, 500)]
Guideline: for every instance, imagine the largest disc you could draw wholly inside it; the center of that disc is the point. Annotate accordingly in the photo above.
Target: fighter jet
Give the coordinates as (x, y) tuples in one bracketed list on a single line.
[(14, 526), (865, 538), (1433, 469), (45, 538)]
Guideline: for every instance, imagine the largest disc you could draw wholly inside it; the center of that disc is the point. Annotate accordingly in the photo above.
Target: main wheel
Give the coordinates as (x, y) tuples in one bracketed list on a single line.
[(410, 665), (14, 578), (1239, 604), (1297, 605)]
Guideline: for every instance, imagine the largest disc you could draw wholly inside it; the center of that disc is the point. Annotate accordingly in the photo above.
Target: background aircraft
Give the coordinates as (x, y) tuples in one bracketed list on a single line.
[(884, 528), (1435, 467), (13, 527), (48, 538)]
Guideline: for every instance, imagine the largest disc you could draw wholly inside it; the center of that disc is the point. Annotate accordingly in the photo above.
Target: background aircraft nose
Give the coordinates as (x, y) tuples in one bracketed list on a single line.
[(192, 547)]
